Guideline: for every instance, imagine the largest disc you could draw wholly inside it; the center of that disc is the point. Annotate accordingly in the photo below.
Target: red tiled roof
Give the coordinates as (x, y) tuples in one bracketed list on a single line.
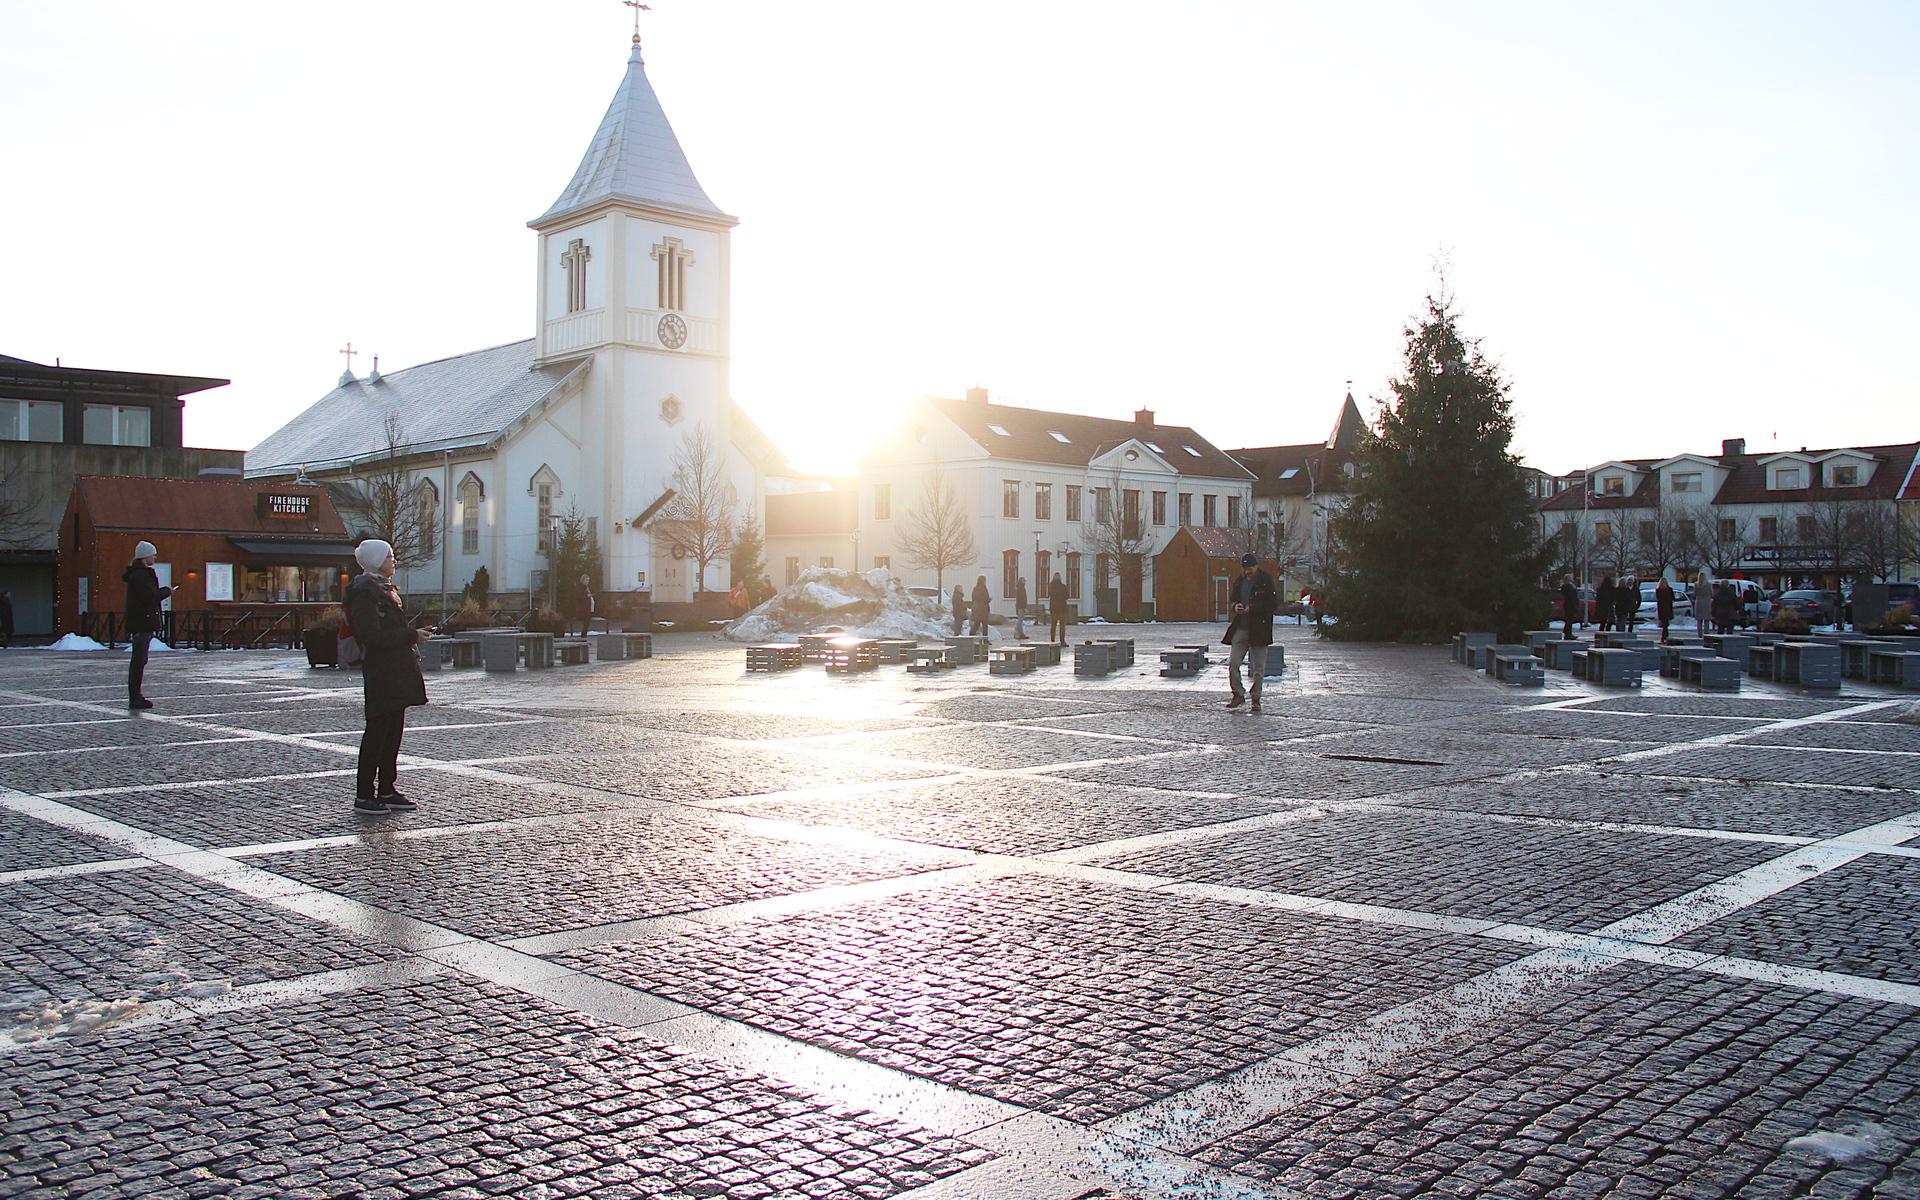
[(1315, 468), (142, 505), (1029, 437), (1746, 482)]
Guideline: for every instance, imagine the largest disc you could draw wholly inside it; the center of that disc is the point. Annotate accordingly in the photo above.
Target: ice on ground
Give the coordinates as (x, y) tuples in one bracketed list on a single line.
[(864, 603), (74, 641), (1834, 1145), (65, 1018)]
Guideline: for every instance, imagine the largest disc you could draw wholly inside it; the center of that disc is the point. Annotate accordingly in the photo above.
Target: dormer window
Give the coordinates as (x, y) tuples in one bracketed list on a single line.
[(1787, 477), (1062, 438), (1191, 450), (1155, 448), (1847, 475), (1290, 472), (1001, 430), (1613, 485), (1686, 482)]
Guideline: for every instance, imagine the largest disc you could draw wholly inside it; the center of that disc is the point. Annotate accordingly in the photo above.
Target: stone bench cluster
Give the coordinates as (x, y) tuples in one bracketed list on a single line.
[(1713, 662), (845, 654), (504, 651)]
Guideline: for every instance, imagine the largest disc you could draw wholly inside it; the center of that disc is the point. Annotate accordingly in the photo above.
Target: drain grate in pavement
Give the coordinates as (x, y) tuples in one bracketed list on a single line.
[(1405, 762)]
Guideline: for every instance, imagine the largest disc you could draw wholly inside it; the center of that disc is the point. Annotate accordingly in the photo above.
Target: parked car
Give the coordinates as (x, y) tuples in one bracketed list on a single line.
[(1817, 608), (1585, 615), (1650, 606)]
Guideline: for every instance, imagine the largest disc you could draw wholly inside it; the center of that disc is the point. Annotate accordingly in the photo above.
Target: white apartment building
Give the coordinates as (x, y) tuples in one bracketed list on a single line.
[(1045, 492)]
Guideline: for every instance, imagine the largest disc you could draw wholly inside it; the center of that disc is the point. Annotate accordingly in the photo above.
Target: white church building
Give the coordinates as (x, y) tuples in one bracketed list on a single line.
[(630, 356)]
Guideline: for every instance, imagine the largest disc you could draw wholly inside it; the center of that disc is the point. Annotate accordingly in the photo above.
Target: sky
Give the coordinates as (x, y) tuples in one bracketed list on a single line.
[(1670, 224)]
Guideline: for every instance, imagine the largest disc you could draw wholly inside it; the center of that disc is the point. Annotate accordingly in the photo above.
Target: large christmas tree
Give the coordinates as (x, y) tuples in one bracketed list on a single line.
[(1440, 534)]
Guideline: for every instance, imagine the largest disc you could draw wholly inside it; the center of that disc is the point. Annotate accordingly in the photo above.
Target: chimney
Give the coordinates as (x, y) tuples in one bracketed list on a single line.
[(976, 395), (1733, 446), (1143, 418), (373, 376)]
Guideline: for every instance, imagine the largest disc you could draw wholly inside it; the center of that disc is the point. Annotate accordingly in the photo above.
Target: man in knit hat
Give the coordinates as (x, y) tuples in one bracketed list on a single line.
[(144, 597), (390, 677)]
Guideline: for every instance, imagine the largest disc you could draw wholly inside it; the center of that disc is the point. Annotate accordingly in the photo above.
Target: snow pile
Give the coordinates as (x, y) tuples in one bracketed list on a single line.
[(68, 1017), (869, 604), (1834, 1145), (74, 641)]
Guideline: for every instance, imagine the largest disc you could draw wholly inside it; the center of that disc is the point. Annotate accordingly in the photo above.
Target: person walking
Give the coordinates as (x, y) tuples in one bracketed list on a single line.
[(144, 619), (391, 680), (1663, 606), (1020, 608), (580, 604), (1057, 610), (1250, 632), (979, 606), (1603, 604), (1626, 603), (1569, 605), (6, 618), (959, 611)]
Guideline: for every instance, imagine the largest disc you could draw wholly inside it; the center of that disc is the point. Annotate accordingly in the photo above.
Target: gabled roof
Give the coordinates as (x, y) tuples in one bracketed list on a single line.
[(1312, 467), (224, 506), (466, 400), (1218, 543), (1029, 437), (1348, 429), (634, 156), (1746, 480)]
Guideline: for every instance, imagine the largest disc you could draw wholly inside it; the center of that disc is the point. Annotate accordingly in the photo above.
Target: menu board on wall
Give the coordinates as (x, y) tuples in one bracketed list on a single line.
[(219, 581)]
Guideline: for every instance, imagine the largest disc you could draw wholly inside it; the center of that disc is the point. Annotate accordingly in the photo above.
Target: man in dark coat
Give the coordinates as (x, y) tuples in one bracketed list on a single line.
[(1569, 605), (1603, 604), (1020, 608), (979, 605), (144, 597), (959, 611), (1250, 632), (1663, 605), (391, 678), (1626, 603), (1057, 610)]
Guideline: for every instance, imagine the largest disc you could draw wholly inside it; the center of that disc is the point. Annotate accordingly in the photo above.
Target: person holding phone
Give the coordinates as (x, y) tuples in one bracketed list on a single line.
[(391, 677), (1250, 632)]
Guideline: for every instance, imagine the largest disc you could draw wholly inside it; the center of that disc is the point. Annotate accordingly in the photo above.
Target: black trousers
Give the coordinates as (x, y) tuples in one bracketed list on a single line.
[(137, 665), (1057, 628), (1568, 633), (380, 753)]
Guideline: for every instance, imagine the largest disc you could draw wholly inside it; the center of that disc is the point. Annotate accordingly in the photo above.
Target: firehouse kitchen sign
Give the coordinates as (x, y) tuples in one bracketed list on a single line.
[(284, 508)]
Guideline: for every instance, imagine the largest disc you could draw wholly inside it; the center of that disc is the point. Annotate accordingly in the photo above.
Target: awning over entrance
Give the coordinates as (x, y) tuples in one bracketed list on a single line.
[(297, 552)]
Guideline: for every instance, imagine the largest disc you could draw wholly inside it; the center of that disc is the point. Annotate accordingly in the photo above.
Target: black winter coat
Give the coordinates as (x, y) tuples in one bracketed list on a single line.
[(1570, 603), (1258, 619), (981, 602), (144, 595), (1057, 597), (391, 674), (1603, 601), (1663, 602)]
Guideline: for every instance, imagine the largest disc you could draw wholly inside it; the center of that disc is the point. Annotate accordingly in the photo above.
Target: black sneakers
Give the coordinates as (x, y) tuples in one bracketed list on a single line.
[(395, 802), (369, 807), (139, 702)]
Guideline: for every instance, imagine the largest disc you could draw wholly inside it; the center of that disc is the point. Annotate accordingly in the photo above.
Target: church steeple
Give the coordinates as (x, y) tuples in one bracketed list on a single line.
[(634, 157)]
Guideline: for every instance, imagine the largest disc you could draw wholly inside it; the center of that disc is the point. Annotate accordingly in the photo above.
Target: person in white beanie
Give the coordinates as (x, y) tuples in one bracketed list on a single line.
[(144, 596), (390, 677)]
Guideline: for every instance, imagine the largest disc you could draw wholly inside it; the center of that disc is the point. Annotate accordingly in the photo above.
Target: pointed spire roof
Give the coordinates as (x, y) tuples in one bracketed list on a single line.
[(1347, 430), (635, 157)]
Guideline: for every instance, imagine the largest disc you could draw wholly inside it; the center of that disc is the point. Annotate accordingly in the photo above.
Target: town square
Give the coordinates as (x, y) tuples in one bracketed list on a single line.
[(1055, 603)]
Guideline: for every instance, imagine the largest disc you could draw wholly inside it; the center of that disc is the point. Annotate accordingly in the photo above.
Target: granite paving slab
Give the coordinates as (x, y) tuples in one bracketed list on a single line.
[(30, 845), (1859, 919), (1767, 706), (1587, 722), (995, 747), (1286, 772), (743, 771), (555, 737), (49, 773), (1565, 878), (1744, 762), (1843, 735), (1201, 728)]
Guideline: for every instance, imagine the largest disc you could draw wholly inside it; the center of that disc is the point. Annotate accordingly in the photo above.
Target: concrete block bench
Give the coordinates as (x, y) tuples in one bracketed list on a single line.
[(893, 650), (1559, 653), (1731, 645), (1853, 655), (1712, 674), (1092, 658), (1276, 660), (1122, 651), (926, 660), (435, 651), (1760, 661), (1466, 647), (813, 646), (1535, 638), (1648, 651), (1670, 656), (1010, 660), (774, 656), (1180, 664), (1046, 654), (1897, 667), (618, 645), (1491, 649), (1809, 664), (1202, 649), (846, 655), (1518, 670), (967, 649), (503, 652), (571, 652), (1611, 666)]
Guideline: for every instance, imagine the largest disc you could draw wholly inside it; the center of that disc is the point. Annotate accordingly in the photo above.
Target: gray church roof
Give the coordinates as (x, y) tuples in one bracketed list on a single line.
[(466, 400), (634, 156)]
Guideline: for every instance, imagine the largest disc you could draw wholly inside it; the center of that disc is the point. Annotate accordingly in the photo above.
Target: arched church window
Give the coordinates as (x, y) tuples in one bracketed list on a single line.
[(426, 515), (471, 493), (575, 260), (544, 487), (671, 259)]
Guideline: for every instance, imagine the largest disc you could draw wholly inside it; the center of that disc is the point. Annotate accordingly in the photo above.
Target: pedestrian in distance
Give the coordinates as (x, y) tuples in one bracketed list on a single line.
[(580, 604), (6, 618), (144, 619), (979, 606), (1057, 610), (762, 593), (1250, 632), (1626, 603), (738, 602), (1569, 605), (1020, 608), (1663, 606), (1603, 604), (391, 679), (1703, 602), (959, 611)]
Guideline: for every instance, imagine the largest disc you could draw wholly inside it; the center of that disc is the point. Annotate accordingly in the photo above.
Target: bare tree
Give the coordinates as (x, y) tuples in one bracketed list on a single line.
[(382, 498), (1573, 545), (703, 515), (19, 530), (937, 533), (1115, 535), (1721, 541), (1880, 540), (1840, 535), (1670, 539)]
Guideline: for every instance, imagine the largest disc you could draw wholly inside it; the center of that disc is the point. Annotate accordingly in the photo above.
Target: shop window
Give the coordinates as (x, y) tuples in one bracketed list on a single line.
[(285, 585), (30, 421), (116, 425)]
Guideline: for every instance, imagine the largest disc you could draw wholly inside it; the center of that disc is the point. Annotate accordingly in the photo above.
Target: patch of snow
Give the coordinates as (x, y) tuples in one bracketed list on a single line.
[(1834, 1145), (74, 641), (160, 645), (863, 603), (207, 989), (67, 1018)]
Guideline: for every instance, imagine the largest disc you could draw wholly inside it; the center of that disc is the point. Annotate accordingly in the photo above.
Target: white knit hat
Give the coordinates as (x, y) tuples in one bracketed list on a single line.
[(146, 550), (372, 554)]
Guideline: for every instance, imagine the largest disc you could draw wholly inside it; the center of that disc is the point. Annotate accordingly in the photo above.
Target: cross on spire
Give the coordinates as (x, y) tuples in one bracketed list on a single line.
[(349, 351), (637, 8)]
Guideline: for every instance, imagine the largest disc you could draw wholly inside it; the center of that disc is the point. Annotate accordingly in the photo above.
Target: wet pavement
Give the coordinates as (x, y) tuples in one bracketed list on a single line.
[(666, 929)]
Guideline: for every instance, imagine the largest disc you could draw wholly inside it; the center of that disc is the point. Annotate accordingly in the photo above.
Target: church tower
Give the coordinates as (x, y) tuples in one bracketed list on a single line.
[(634, 271)]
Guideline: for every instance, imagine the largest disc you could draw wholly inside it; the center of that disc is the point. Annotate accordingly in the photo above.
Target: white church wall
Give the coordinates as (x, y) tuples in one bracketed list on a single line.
[(594, 235)]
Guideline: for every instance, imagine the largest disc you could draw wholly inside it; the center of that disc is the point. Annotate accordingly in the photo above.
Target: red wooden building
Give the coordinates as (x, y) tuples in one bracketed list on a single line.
[(1193, 575)]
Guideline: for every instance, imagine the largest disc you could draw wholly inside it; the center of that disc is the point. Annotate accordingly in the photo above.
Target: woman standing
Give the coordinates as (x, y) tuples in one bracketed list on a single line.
[(979, 605), (391, 677), (144, 597)]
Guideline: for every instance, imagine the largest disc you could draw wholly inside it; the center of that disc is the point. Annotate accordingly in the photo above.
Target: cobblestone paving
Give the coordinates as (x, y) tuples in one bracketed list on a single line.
[(663, 928)]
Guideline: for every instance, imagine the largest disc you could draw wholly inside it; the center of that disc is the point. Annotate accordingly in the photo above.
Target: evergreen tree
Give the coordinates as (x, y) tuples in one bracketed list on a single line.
[(1440, 534), (744, 563), (574, 554)]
